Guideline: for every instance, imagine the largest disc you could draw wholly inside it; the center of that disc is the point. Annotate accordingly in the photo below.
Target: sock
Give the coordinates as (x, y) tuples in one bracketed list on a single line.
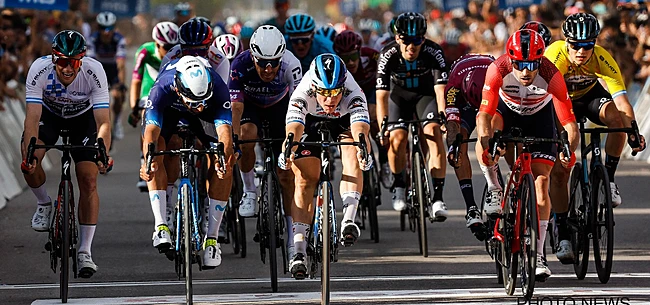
[(249, 181), (562, 229), (170, 196), (86, 234), (611, 163), (300, 231), (289, 226), (399, 180), (350, 205), (438, 185), (468, 192), (217, 207), (543, 225), (41, 195), (159, 210), (490, 174)]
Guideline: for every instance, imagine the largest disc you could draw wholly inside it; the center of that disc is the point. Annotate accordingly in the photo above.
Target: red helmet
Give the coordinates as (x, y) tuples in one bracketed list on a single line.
[(347, 41), (525, 45)]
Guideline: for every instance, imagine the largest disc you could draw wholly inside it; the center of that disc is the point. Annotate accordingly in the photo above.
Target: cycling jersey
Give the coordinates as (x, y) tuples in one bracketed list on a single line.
[(246, 84), (418, 76), (147, 64), (462, 96), (581, 78), (382, 41), (319, 45), (303, 102), (218, 61), (454, 51), (88, 90), (106, 53), (367, 72), (501, 83)]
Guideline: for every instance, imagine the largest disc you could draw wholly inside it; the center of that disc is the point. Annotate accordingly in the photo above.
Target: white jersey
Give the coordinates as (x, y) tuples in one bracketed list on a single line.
[(382, 41), (303, 102), (88, 90), (216, 58)]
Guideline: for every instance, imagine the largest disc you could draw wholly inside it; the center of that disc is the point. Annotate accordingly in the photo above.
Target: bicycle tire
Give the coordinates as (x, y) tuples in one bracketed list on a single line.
[(420, 179), (578, 221), (271, 214), (509, 262), (528, 226), (372, 204), (64, 275), (494, 251), (187, 240), (327, 243), (236, 194), (602, 222), (402, 220)]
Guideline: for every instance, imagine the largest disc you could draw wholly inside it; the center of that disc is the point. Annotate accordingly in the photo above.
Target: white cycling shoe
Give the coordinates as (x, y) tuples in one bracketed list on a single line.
[(41, 218), (616, 195), (399, 199), (211, 254), (493, 202), (247, 204)]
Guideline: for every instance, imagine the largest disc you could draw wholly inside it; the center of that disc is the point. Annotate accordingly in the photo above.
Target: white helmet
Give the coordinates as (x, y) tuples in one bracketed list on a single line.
[(106, 19), (193, 81), (165, 33), (267, 42), (229, 44)]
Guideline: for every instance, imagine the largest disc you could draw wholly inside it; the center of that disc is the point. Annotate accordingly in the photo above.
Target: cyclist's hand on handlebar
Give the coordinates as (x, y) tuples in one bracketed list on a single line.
[(451, 157), (148, 176), (134, 117), (285, 163), (364, 163), (641, 142), (487, 158), (220, 169), (28, 169), (105, 168), (567, 162)]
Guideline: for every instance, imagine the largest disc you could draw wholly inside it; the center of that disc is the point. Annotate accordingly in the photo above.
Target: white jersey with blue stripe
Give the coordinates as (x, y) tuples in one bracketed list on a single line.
[(89, 90)]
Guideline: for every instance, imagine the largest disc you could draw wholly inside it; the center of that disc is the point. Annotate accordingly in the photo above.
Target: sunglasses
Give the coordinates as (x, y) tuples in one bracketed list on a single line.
[(299, 40), (350, 57), (274, 63), (197, 105), (106, 29), (64, 62), (523, 64), (587, 45), (415, 40), (203, 51), (329, 92), (166, 47)]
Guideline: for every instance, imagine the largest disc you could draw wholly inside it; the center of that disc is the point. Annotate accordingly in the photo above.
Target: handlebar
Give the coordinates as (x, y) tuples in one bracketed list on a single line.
[(291, 143), (632, 131), (498, 140), (455, 146), (441, 119), (218, 150), (100, 148)]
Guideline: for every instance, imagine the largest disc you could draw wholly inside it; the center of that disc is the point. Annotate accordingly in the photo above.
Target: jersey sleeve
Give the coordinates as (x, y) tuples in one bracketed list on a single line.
[(219, 63), (99, 85), (121, 48), (156, 103), (356, 101), (561, 100), (293, 75), (221, 97), (453, 98), (387, 59), (611, 73), (440, 69), (493, 82), (138, 68), (235, 83), (34, 83), (297, 110), (555, 55)]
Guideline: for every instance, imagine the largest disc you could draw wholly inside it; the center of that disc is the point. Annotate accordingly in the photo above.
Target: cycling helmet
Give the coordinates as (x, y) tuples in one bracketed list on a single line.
[(347, 41), (581, 26), (299, 24), (452, 36), (328, 32), (328, 71), (182, 8), (411, 24), (229, 44), (193, 81), (218, 30), (195, 33), (246, 32), (201, 18), (525, 45), (69, 43), (165, 33), (106, 19), (539, 28), (391, 26), (366, 25), (267, 42)]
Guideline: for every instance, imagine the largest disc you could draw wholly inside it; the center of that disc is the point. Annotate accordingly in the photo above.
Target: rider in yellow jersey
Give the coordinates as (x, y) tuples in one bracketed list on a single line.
[(582, 63)]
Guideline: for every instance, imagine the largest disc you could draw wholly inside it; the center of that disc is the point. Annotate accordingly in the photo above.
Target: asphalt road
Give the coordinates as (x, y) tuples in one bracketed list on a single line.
[(458, 270)]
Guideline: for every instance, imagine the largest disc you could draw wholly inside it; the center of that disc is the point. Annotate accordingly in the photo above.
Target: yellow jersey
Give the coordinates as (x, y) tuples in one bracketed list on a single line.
[(581, 78)]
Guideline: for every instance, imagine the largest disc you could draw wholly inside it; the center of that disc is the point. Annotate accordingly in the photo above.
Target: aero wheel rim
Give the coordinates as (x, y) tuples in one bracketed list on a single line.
[(601, 219)]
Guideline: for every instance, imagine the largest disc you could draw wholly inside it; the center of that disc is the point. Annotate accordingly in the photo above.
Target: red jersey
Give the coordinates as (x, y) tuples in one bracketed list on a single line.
[(367, 72)]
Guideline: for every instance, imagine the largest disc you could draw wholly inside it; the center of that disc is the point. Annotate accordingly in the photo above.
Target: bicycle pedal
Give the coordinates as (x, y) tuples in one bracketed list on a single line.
[(163, 248), (223, 240), (48, 246), (256, 237), (170, 254), (541, 278)]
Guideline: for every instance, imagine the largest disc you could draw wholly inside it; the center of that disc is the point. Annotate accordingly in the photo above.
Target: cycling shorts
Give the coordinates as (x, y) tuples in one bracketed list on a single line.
[(590, 104), (111, 73), (371, 96), (82, 130), (275, 115), (336, 127), (539, 125), (468, 118), (197, 126), (404, 104)]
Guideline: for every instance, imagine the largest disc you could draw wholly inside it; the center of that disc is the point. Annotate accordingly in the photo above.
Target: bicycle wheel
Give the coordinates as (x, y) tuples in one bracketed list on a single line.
[(271, 185), (528, 225), (577, 220), (326, 230), (371, 202), (508, 261), (64, 275), (602, 222), (420, 179), (490, 247), (239, 223), (186, 206)]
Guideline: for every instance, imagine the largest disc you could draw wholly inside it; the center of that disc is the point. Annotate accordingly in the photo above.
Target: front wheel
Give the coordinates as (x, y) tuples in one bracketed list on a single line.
[(506, 226), (528, 225), (602, 223), (420, 170), (578, 221), (187, 239)]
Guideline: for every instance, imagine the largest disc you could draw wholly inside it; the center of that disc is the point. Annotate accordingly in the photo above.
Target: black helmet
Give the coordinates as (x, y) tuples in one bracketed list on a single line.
[(410, 24), (581, 26), (540, 28), (69, 43)]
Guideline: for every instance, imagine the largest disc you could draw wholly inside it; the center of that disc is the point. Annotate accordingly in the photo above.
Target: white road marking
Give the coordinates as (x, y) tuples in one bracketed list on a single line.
[(461, 212)]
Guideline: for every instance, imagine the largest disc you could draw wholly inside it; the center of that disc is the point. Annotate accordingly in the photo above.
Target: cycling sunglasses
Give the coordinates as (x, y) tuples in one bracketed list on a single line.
[(300, 39), (524, 64), (329, 92), (107, 28), (587, 45), (166, 47), (350, 57), (263, 63), (202, 52), (415, 40), (64, 62)]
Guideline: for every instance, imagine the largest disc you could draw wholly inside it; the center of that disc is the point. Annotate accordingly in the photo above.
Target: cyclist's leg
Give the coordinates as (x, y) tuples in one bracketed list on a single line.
[(427, 107), (464, 172), (385, 173), (500, 121), (559, 195), (351, 182), (250, 127), (610, 115), (398, 108), (142, 185)]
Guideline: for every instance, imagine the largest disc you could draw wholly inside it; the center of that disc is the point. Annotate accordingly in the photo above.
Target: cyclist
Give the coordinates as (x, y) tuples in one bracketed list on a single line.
[(518, 90), (229, 45), (262, 80), (60, 95), (189, 89), (328, 32), (182, 13), (387, 37), (281, 7), (245, 36), (463, 96), (299, 30), (368, 32), (145, 71), (362, 64), (329, 93), (416, 68), (452, 46), (109, 48), (540, 28), (582, 63), (195, 37)]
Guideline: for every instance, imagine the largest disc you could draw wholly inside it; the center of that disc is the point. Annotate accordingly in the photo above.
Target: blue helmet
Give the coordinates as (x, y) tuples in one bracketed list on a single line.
[(246, 32), (299, 24), (328, 32), (328, 71), (195, 33)]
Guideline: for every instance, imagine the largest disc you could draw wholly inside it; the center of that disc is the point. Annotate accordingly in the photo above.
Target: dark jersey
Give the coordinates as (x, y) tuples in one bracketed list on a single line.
[(462, 87), (418, 76), (367, 72)]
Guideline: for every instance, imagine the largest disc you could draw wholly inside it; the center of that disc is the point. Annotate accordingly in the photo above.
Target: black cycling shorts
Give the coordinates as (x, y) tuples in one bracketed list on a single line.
[(468, 118), (404, 104), (275, 115), (111, 73), (200, 128), (82, 130), (590, 104), (539, 125), (336, 127)]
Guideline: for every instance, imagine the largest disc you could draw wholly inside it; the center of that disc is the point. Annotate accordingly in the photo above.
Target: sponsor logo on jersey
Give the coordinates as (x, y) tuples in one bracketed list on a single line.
[(451, 96), (95, 78), (607, 64), (38, 75)]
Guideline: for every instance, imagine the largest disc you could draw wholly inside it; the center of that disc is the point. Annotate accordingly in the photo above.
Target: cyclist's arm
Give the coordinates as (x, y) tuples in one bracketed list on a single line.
[(616, 86), (297, 129), (102, 119), (34, 101), (440, 97), (453, 98), (564, 109), (153, 115), (136, 77), (440, 79), (120, 59), (382, 105), (32, 116), (384, 66), (100, 101), (296, 113), (489, 103), (358, 110)]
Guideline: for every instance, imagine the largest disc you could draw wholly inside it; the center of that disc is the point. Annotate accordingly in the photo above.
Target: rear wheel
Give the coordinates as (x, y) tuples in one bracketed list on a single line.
[(64, 275), (187, 239), (271, 200), (528, 224), (419, 181), (509, 261), (603, 223), (578, 221), (372, 196)]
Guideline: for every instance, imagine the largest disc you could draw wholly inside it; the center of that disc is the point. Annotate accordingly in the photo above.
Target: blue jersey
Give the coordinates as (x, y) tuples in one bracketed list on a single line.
[(246, 84), (163, 97), (319, 45)]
